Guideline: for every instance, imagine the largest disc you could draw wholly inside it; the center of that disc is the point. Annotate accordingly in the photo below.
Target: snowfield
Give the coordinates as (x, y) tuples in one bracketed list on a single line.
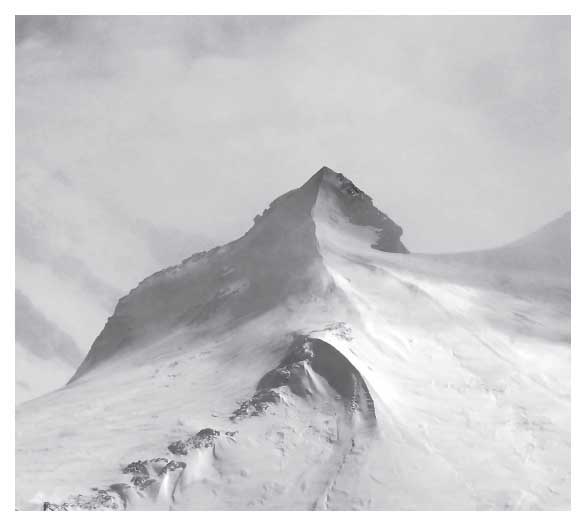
[(314, 364)]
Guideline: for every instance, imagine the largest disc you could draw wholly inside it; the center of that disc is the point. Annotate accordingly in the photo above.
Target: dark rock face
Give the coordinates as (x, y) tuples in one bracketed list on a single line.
[(204, 438), (306, 352)]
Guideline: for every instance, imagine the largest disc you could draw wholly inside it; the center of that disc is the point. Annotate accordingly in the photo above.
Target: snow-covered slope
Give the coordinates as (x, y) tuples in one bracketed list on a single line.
[(547, 250), (313, 364)]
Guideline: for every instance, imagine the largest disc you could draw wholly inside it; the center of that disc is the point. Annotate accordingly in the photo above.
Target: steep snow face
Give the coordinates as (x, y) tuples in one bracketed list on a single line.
[(306, 366), (356, 207)]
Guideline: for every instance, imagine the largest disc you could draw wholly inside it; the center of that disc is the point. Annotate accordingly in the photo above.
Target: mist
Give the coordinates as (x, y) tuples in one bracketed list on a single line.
[(458, 127)]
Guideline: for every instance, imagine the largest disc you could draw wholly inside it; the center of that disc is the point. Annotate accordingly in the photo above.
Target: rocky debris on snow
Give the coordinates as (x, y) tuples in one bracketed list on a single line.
[(146, 476), (204, 438), (158, 464), (257, 405), (53, 507), (138, 468), (144, 473), (140, 474), (173, 465), (102, 500)]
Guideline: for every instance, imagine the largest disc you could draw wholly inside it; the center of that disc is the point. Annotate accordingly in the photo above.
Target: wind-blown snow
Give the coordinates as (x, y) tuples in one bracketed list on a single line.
[(333, 370)]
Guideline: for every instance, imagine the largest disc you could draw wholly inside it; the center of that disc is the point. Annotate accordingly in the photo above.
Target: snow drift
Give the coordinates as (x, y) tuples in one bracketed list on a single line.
[(314, 364)]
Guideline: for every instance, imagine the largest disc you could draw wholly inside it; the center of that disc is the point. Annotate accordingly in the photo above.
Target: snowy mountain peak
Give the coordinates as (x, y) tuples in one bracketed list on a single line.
[(346, 202), (298, 367), (324, 170), (278, 262), (327, 178)]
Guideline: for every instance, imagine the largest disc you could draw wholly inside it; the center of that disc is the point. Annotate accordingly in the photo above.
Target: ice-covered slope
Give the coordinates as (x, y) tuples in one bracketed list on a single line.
[(311, 364)]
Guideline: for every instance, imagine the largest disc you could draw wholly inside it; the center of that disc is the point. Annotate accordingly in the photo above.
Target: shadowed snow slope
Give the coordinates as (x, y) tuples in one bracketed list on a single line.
[(46, 357), (76, 254), (312, 364)]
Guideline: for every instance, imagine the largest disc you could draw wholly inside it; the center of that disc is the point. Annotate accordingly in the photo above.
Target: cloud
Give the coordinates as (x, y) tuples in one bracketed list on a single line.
[(457, 126)]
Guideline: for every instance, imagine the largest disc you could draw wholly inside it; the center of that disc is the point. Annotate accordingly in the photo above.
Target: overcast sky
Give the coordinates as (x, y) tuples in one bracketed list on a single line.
[(458, 127)]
